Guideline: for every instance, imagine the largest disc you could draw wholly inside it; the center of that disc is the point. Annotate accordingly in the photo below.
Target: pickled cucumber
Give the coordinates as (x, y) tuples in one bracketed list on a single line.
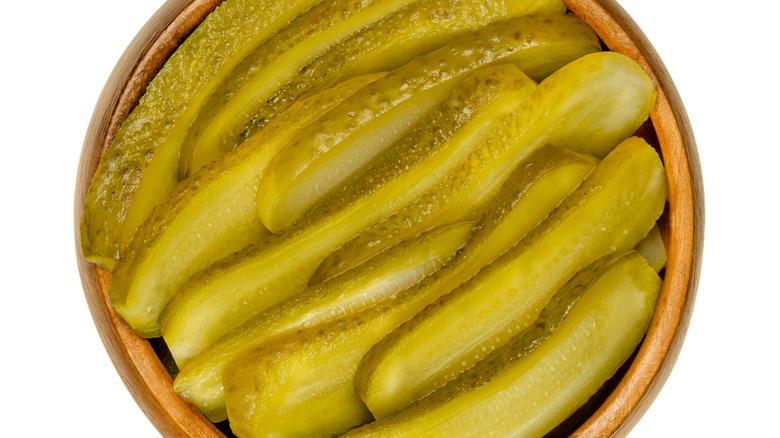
[(612, 210), (207, 217), (139, 154), (419, 28), (653, 249), (328, 152), (542, 375), (280, 266), (589, 106), (270, 66), (312, 371), (200, 381)]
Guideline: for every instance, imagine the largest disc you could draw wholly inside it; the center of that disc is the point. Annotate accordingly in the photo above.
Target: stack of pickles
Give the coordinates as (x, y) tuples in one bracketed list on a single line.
[(386, 217)]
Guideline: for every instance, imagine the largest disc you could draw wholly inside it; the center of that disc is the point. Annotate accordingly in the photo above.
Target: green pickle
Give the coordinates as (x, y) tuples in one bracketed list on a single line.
[(312, 371), (385, 217), (612, 210), (280, 265), (554, 113), (190, 231), (415, 30), (543, 374), (200, 380), (271, 65), (138, 169), (326, 153)]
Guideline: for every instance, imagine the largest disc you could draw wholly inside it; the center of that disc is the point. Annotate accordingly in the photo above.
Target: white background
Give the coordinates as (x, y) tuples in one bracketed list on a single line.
[(57, 377)]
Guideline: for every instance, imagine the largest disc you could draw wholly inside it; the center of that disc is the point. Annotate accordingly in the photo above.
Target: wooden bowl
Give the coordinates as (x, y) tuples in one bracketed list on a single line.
[(620, 404)]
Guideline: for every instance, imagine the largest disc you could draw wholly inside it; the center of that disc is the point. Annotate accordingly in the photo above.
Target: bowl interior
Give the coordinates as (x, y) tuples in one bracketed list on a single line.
[(621, 401)]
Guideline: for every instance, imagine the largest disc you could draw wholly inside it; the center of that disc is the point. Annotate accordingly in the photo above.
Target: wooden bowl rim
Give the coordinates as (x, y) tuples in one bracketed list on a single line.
[(151, 385)]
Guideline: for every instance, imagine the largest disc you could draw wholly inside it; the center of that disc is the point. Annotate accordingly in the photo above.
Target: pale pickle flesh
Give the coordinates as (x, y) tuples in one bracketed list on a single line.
[(200, 381), (206, 217), (315, 368), (613, 98), (325, 154), (280, 266), (311, 34), (653, 249), (542, 375), (140, 153), (419, 28), (612, 210)]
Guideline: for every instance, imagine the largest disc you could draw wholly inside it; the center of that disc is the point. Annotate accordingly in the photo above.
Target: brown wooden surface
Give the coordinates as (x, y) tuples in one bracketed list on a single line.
[(150, 384)]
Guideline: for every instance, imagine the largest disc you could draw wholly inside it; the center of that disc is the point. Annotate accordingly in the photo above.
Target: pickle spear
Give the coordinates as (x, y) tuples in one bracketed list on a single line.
[(304, 372), (589, 105), (419, 28), (612, 210), (243, 285), (272, 64), (542, 375), (200, 380), (206, 217), (139, 153), (326, 153)]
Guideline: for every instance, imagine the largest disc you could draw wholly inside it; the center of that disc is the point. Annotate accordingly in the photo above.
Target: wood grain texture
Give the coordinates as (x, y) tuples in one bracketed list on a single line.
[(151, 385)]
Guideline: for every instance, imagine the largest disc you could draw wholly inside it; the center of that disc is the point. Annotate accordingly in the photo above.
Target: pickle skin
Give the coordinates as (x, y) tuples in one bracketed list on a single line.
[(606, 90), (612, 210), (200, 381), (280, 265), (312, 33), (420, 28), (548, 371), (220, 42), (316, 367), (327, 153), (206, 218)]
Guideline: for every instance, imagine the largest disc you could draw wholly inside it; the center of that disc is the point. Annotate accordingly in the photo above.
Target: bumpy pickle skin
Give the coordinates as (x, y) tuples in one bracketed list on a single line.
[(280, 265), (200, 381), (588, 106), (436, 205), (327, 153), (140, 153), (542, 375), (419, 28), (612, 210), (207, 217), (316, 367), (270, 66)]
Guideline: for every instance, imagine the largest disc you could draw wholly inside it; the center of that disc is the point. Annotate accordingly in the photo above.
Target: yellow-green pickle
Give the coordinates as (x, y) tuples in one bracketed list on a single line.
[(389, 218)]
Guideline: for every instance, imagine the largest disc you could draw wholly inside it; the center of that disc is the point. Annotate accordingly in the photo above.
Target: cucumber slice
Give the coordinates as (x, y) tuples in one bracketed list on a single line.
[(141, 154), (325, 154), (207, 217), (542, 375), (612, 210), (312, 371), (271, 65), (200, 381), (280, 266), (419, 28)]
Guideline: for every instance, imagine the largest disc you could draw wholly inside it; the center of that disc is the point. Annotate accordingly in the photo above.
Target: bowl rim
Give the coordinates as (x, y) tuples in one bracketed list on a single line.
[(152, 387)]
